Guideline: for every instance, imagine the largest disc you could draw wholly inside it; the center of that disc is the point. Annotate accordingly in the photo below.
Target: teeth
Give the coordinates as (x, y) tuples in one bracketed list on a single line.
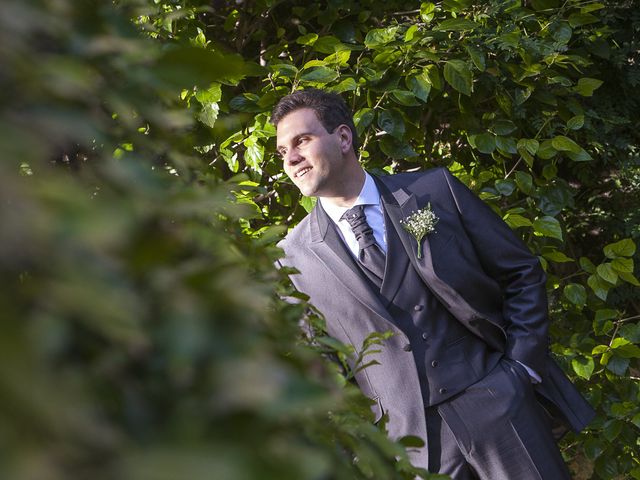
[(302, 172)]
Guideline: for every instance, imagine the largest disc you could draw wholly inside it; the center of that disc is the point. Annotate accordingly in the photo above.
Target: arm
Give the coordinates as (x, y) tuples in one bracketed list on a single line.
[(506, 259)]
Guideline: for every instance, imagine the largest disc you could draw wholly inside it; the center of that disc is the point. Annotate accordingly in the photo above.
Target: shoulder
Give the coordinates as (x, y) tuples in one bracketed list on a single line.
[(297, 237), (435, 182), (409, 179)]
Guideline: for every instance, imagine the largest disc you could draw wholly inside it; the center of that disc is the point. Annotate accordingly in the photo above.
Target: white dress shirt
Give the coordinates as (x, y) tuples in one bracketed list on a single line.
[(370, 197)]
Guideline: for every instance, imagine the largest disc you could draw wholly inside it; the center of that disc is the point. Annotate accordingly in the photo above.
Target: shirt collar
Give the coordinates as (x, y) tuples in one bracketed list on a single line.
[(369, 195)]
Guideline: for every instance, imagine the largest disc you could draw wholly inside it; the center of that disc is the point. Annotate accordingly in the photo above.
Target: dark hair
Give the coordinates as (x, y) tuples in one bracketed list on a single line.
[(330, 109)]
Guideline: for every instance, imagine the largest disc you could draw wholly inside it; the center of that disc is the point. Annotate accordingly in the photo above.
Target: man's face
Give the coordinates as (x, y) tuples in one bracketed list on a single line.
[(312, 157)]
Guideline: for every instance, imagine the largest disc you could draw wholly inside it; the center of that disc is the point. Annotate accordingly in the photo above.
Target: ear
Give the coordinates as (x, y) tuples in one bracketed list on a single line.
[(345, 137)]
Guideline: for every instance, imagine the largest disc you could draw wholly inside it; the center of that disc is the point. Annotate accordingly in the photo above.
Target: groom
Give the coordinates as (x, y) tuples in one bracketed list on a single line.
[(467, 369)]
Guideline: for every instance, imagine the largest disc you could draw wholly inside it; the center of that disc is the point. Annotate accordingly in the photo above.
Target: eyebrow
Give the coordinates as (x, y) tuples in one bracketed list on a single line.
[(294, 138)]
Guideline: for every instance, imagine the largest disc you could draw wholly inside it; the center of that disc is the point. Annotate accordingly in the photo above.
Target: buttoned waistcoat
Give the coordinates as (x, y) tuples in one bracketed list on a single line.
[(474, 265)]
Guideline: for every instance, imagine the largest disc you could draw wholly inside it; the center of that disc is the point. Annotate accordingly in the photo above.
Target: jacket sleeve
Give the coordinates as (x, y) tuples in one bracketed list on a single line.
[(506, 259)]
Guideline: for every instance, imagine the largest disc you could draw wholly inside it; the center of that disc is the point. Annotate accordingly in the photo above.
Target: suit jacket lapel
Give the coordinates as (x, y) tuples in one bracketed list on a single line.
[(327, 245), (400, 204)]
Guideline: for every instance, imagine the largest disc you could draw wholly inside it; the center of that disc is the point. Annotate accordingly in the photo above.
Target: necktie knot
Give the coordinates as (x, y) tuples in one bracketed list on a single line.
[(357, 220)]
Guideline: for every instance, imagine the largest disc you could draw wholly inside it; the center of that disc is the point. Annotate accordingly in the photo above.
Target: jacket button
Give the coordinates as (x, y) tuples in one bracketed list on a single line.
[(425, 336), (434, 364), (442, 391), (418, 308), (407, 347)]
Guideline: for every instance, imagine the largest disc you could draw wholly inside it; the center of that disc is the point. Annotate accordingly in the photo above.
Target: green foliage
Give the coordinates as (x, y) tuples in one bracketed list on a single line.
[(142, 196), (142, 334)]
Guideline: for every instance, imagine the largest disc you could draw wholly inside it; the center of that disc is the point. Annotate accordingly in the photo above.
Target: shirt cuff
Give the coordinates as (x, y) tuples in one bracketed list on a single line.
[(535, 378)]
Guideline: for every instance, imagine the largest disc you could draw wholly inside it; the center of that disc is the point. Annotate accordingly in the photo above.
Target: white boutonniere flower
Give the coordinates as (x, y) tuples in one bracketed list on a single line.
[(420, 223)]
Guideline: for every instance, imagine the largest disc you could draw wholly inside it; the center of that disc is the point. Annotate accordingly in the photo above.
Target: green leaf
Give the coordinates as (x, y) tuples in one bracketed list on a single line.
[(458, 75), (576, 294), (410, 441), (346, 85), (457, 24), (565, 144), (586, 86), (247, 102), (363, 118), (432, 75), (631, 332), (330, 342), (561, 32), (629, 278), (308, 203), (618, 365), (254, 154), (379, 37), (504, 127), (328, 44), (339, 58), (419, 85), (546, 150), (194, 66), (612, 429), (410, 33), (587, 265), (527, 148), (583, 366), (599, 286), (391, 122), (607, 273), (505, 187), (209, 100), (515, 221), (548, 227), (627, 350), (284, 70), (506, 144), (591, 7), (396, 149), (621, 265), (557, 256), (603, 314), (209, 114), (405, 98), (593, 447), (319, 75), (387, 57), (308, 39), (581, 156), (427, 10), (576, 123), (580, 19), (477, 57), (624, 248), (549, 171), (484, 142), (524, 182)]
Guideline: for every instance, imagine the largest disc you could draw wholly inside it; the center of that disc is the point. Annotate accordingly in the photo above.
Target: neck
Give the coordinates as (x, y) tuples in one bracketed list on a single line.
[(350, 189)]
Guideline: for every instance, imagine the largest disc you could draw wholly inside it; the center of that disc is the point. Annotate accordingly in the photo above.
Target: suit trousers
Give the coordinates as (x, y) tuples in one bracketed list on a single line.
[(494, 430)]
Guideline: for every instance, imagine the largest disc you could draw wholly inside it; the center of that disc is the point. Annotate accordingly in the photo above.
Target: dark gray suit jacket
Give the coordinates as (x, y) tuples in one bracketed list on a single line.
[(473, 263)]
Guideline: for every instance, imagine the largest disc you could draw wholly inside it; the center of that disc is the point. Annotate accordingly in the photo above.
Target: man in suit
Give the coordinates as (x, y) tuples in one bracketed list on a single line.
[(467, 369)]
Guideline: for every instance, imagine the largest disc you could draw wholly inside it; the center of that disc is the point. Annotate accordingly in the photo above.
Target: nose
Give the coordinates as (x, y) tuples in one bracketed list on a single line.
[(292, 157)]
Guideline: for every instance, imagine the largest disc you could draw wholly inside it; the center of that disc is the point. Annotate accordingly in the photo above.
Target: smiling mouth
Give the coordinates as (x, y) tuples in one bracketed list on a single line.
[(302, 172)]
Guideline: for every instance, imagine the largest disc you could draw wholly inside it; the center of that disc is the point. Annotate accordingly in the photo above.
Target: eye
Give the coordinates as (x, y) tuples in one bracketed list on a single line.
[(302, 140), (281, 152)]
